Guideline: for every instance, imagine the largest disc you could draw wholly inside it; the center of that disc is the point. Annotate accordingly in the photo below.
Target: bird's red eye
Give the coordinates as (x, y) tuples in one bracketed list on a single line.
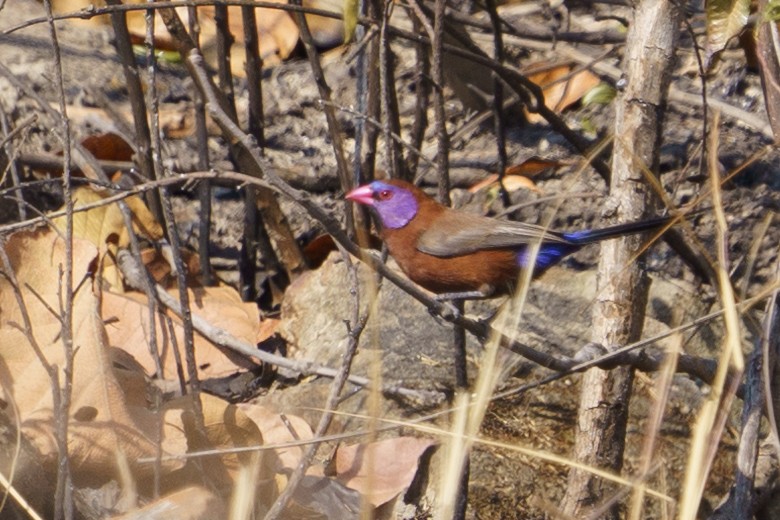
[(384, 195)]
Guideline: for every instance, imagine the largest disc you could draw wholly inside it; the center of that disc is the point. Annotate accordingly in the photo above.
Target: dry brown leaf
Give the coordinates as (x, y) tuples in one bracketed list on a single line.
[(316, 493), (226, 426), (277, 32), (533, 166), (190, 503), (561, 91), (105, 427), (488, 181), (69, 6), (517, 176), (158, 262), (276, 431), (326, 32), (111, 426), (108, 146), (177, 121), (104, 224), (128, 328), (136, 25), (512, 183), (277, 35), (380, 470), (267, 328)]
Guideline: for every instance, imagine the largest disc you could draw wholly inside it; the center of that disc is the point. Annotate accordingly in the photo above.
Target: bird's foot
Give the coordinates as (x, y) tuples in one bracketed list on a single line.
[(590, 352), (447, 311)]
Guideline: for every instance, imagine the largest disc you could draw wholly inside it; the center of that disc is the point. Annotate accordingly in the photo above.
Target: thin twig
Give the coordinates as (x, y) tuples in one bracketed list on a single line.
[(498, 100), (422, 90), (204, 188), (224, 43), (135, 94), (439, 121), (63, 497), (334, 128), (169, 220), (367, 86), (388, 98), (132, 272), (12, 155)]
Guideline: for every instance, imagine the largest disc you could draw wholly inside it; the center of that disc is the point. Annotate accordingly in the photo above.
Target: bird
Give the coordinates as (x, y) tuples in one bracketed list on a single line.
[(459, 255)]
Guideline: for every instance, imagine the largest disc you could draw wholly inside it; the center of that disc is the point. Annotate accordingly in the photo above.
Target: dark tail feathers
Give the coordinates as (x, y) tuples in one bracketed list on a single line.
[(589, 236)]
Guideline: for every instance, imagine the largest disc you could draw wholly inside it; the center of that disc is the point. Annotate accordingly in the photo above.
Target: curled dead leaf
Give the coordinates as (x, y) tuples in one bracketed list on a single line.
[(104, 226), (108, 146), (561, 86), (512, 183)]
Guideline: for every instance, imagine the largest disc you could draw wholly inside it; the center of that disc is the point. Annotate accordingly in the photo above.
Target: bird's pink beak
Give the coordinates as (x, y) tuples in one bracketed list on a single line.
[(363, 195)]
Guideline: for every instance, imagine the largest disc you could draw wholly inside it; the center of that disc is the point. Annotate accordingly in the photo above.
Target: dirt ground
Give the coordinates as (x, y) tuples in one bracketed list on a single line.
[(503, 484)]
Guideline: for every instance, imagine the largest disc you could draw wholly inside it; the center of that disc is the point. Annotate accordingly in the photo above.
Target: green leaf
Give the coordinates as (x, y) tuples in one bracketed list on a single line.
[(772, 11), (588, 126), (350, 19), (601, 94), (161, 55)]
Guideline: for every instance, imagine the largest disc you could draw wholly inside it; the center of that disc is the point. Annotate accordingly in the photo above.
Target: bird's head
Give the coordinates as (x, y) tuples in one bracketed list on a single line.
[(393, 201)]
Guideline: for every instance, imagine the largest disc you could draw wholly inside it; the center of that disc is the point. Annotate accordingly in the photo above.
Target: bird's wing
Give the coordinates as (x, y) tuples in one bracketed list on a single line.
[(456, 233)]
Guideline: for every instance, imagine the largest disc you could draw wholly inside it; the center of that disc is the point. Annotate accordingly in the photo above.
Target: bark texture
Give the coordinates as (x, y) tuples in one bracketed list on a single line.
[(619, 310)]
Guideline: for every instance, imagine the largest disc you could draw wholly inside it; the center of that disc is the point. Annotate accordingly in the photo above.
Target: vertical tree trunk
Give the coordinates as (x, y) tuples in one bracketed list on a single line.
[(619, 311)]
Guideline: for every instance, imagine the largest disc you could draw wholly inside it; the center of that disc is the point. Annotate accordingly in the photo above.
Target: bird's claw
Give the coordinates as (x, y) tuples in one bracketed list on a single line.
[(447, 311), (589, 352)]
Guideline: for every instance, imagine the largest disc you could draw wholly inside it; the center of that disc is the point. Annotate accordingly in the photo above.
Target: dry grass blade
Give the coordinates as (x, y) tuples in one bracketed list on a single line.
[(712, 417)]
